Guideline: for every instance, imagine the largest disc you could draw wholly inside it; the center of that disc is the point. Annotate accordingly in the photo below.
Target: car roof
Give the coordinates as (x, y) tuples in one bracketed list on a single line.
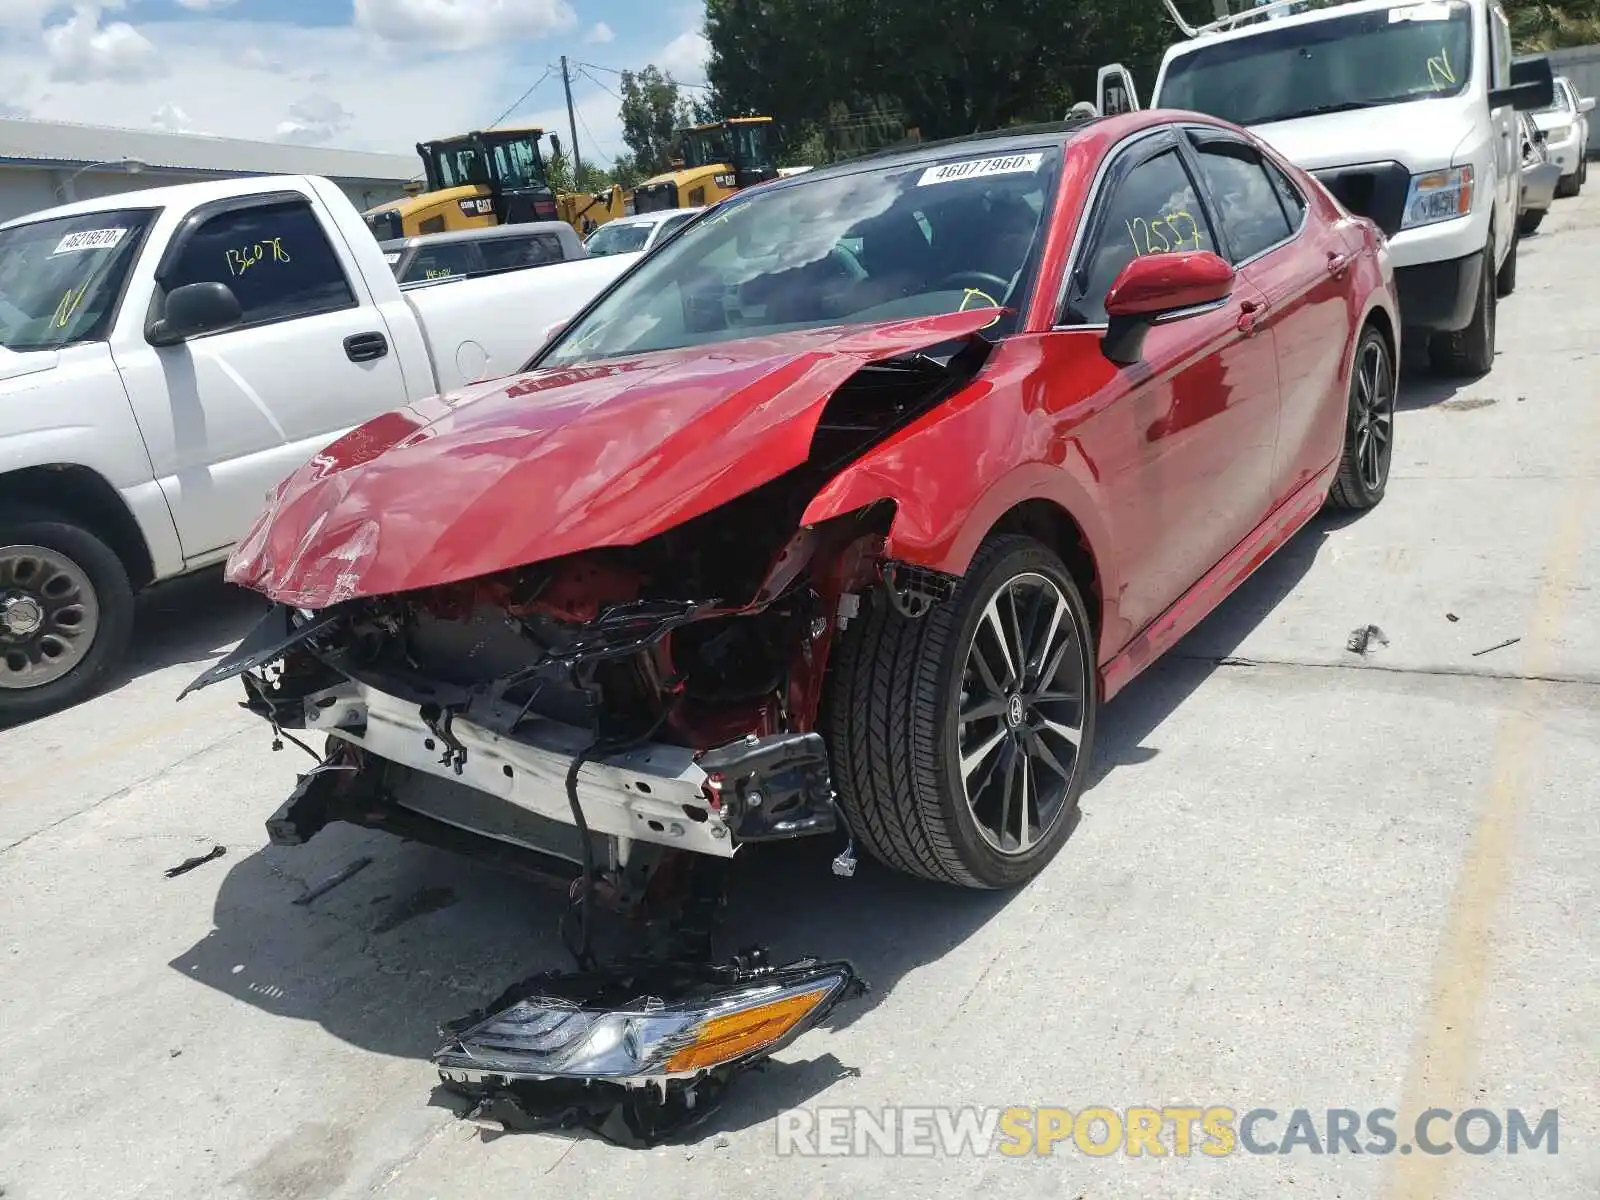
[(1000, 141), (652, 218), (1278, 21), (488, 233)]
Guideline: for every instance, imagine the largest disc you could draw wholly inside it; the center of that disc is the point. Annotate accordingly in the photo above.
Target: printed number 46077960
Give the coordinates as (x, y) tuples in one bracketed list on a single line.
[(1166, 234)]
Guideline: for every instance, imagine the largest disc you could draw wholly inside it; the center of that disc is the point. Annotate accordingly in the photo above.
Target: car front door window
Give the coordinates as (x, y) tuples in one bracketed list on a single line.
[(275, 257), (1154, 209)]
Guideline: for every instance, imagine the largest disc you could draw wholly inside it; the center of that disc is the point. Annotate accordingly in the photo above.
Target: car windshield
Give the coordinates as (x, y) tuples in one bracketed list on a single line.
[(1363, 60), (613, 238), (877, 244), (60, 279)]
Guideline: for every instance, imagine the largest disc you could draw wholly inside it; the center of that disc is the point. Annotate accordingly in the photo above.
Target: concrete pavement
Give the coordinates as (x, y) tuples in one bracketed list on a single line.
[(1303, 879)]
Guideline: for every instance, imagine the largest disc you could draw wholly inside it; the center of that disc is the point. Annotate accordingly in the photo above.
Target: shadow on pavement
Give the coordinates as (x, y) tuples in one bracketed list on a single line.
[(189, 620), (420, 936)]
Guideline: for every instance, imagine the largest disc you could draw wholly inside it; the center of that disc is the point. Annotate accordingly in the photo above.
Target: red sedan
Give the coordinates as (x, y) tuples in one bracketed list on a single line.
[(857, 497)]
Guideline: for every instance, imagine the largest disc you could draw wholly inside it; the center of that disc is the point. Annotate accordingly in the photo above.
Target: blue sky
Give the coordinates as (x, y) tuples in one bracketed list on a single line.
[(362, 74)]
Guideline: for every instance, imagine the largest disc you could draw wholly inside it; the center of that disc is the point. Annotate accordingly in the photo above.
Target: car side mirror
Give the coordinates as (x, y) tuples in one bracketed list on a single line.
[(193, 310), (1541, 135), (1586, 104), (1533, 86), (1156, 288)]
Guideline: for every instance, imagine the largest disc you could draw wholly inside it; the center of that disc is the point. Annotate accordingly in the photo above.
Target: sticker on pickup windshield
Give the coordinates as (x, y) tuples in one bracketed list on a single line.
[(979, 168), (1420, 12), (90, 239)]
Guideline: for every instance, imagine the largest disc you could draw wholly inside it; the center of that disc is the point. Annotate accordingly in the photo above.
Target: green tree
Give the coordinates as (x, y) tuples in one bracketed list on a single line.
[(652, 109)]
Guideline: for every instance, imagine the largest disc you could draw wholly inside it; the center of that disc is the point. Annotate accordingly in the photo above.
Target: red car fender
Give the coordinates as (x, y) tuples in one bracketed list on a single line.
[(953, 474)]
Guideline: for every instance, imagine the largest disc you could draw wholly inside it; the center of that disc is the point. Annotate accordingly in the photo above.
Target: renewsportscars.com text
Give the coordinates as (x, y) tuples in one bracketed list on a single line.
[(1158, 1132)]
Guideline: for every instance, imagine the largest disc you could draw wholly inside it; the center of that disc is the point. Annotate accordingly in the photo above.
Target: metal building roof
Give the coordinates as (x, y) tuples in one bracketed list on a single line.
[(59, 144)]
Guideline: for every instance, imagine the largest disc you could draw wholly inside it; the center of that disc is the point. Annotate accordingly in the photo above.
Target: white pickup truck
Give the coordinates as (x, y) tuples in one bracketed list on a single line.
[(168, 356)]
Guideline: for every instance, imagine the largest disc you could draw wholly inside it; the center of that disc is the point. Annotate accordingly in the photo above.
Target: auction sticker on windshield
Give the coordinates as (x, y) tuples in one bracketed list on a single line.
[(1420, 12), (978, 168), (90, 239)]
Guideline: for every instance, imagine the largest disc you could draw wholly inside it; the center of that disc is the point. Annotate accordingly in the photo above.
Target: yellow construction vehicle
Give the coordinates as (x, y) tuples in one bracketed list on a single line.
[(487, 177), (717, 160), (586, 212)]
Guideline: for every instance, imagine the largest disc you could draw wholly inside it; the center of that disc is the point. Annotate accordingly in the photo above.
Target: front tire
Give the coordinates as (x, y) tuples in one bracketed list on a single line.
[(1569, 186), (961, 739), (66, 614), (1369, 429), (1529, 221), (1470, 351), (1506, 281)]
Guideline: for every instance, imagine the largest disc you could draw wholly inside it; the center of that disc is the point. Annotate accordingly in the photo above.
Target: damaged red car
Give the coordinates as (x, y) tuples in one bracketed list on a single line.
[(840, 513)]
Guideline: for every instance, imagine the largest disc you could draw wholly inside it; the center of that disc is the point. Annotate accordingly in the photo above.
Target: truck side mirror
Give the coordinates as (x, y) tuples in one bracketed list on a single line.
[(193, 310), (1532, 87)]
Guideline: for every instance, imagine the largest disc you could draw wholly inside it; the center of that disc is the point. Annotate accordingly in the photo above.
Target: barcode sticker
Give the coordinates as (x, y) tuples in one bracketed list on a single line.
[(90, 239)]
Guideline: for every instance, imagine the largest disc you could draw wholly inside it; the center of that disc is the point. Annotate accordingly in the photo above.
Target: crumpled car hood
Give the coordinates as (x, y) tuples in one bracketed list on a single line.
[(516, 471)]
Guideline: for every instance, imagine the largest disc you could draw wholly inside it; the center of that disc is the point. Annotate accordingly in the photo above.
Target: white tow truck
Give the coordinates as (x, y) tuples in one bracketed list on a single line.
[(1406, 110), (169, 356)]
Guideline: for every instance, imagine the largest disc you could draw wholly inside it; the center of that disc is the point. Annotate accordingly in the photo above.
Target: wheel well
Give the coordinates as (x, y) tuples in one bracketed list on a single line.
[(1379, 320), (84, 496), (1051, 524)]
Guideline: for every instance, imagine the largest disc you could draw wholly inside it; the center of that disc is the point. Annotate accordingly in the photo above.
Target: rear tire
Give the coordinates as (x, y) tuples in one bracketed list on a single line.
[(66, 614), (1368, 428), (1529, 221), (1470, 351), (910, 699)]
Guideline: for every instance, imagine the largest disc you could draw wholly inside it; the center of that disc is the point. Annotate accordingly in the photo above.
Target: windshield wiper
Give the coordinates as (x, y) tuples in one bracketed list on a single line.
[(1318, 110)]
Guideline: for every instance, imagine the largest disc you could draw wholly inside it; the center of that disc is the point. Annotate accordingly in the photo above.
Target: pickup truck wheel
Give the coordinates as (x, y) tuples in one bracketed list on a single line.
[(1529, 221), (1470, 351), (961, 739), (1568, 186), (66, 612)]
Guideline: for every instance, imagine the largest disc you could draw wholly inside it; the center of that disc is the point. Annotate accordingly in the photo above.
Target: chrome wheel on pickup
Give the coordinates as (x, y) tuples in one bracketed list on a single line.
[(66, 609)]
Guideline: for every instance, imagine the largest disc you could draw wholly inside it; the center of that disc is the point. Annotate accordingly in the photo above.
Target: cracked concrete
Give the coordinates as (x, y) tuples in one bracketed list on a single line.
[(1317, 880)]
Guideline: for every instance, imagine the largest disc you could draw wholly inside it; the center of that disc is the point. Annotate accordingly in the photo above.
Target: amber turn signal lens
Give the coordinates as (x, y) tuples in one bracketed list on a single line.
[(733, 1035)]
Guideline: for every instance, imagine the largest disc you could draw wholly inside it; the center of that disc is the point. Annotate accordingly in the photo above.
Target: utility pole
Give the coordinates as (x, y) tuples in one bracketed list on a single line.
[(572, 122)]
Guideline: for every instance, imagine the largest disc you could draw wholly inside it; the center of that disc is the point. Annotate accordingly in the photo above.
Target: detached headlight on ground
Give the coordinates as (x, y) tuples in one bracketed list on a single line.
[(651, 1040), (1438, 196)]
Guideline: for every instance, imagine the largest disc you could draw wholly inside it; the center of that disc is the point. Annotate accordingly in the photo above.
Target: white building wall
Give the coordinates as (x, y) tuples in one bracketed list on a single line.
[(24, 190)]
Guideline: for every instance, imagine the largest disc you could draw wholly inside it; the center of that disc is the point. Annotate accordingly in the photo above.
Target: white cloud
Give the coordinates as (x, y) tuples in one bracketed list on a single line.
[(205, 5), (463, 24), (172, 119), (255, 59), (600, 34), (314, 121), (395, 96), (83, 50), (684, 57), (26, 14)]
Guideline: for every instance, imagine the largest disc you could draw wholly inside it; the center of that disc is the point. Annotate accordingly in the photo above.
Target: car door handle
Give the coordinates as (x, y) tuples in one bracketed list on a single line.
[(1338, 264), (1250, 314), (365, 347)]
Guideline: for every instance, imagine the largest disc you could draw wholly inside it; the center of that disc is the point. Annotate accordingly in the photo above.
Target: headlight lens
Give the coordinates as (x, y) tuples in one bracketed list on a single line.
[(1438, 196), (1558, 133), (543, 1038)]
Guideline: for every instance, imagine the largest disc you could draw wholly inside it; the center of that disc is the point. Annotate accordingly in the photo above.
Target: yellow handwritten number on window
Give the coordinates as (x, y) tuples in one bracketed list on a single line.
[(1440, 73), (69, 305), (1164, 235), (267, 250)]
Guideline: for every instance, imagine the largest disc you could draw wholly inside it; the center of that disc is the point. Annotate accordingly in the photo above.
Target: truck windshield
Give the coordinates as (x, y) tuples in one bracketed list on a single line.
[(457, 164), (60, 279), (1363, 60), (703, 148), (750, 150), (878, 244)]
